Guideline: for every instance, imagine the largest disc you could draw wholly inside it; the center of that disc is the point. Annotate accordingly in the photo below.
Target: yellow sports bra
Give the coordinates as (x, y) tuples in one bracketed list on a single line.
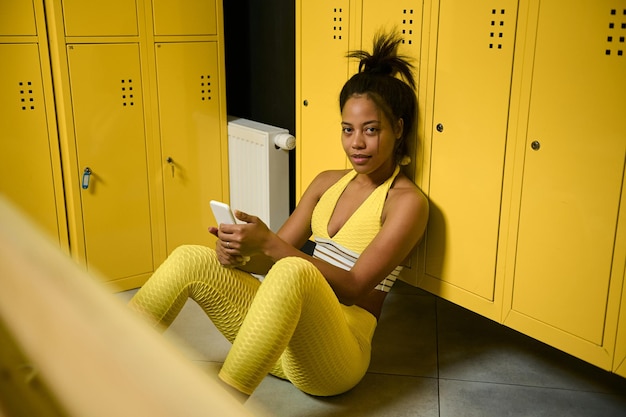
[(345, 247)]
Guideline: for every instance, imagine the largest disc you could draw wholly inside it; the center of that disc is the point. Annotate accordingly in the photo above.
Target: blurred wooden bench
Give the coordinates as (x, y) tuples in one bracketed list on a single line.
[(68, 347)]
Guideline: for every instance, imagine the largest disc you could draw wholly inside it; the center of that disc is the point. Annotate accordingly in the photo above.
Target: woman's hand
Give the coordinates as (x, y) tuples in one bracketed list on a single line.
[(225, 257), (238, 242), (246, 239)]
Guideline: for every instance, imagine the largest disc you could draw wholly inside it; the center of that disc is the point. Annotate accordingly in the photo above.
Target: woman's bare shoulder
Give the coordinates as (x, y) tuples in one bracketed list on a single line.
[(325, 179), (405, 194), (404, 184)]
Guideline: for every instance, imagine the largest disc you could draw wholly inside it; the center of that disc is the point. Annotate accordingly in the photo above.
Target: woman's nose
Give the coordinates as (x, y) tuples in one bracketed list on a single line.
[(357, 140)]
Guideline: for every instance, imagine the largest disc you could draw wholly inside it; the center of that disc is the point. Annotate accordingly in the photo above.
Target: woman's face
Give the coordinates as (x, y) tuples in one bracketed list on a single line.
[(368, 137)]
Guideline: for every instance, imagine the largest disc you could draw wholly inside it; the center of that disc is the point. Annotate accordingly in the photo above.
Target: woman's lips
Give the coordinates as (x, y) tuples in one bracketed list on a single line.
[(360, 159)]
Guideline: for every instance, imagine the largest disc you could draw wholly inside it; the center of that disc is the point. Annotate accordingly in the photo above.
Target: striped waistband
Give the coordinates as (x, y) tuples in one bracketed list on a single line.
[(337, 255)]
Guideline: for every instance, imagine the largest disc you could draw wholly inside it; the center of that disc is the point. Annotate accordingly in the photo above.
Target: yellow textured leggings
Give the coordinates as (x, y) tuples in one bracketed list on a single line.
[(290, 325)]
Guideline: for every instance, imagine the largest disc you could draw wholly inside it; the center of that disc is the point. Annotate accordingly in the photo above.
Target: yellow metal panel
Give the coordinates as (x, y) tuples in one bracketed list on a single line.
[(100, 18), (573, 180), (107, 104), (191, 142), (26, 174), (184, 17), (472, 90), (17, 18), (325, 29)]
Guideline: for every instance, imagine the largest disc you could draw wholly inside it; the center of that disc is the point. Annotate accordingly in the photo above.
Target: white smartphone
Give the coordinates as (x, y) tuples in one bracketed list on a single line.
[(222, 212)]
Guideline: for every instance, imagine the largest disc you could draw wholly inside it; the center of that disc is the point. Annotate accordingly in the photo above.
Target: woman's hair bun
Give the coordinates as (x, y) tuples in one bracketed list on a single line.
[(384, 59)]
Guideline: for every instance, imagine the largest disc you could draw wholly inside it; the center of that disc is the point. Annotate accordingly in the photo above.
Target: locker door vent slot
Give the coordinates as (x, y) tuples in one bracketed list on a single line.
[(205, 87), (338, 23), (27, 100), (496, 33), (407, 26), (617, 32), (128, 95)]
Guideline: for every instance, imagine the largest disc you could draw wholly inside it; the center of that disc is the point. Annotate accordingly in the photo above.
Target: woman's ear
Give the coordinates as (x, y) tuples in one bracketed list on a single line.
[(399, 128)]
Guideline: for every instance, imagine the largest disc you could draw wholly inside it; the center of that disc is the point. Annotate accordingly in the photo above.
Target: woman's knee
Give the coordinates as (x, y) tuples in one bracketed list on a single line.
[(193, 255), (188, 250), (294, 271), (297, 266)]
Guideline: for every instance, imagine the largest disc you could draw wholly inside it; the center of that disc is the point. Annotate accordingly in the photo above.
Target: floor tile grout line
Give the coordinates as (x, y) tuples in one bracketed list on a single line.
[(529, 386), (401, 375)]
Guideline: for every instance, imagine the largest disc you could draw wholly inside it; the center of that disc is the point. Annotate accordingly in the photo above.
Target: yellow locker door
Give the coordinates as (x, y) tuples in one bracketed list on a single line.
[(191, 139), (100, 18), (573, 170), (17, 18), (323, 69), (109, 128), (26, 173), (472, 78), (184, 17)]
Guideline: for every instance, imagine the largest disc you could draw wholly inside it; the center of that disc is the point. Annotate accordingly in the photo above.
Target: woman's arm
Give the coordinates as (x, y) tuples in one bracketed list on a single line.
[(404, 221), (295, 232)]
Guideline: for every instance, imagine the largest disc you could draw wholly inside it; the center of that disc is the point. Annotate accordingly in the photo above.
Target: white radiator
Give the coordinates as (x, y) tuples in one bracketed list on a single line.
[(258, 158)]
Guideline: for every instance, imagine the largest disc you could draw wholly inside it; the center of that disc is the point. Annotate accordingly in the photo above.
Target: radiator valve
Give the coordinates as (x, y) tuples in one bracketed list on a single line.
[(284, 141)]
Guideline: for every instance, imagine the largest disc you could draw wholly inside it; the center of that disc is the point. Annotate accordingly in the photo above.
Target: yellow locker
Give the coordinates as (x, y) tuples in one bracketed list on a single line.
[(27, 173), (569, 265), (100, 18), (184, 17), (322, 69), (17, 18), (472, 84), (107, 105), (191, 145)]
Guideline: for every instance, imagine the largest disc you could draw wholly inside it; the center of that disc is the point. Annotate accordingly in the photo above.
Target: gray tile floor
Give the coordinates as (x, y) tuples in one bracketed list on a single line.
[(432, 358)]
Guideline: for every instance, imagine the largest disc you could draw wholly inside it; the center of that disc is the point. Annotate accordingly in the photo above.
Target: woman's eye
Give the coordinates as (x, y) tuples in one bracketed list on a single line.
[(346, 130), (371, 130)]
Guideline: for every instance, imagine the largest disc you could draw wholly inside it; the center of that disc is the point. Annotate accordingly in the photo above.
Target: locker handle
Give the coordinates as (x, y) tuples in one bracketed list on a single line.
[(86, 178)]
